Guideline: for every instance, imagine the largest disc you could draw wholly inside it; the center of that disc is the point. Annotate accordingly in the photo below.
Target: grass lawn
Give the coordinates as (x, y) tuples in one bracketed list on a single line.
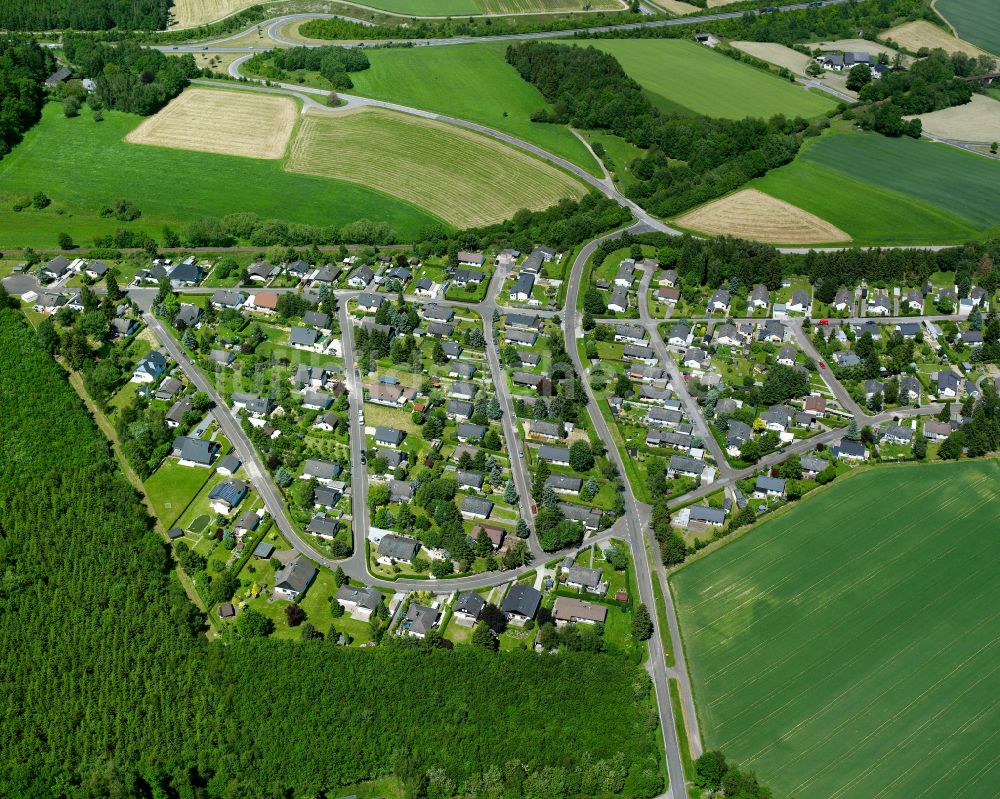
[(977, 21), (169, 186), (849, 647), (683, 77), (618, 154), (172, 487), (469, 81), (883, 191)]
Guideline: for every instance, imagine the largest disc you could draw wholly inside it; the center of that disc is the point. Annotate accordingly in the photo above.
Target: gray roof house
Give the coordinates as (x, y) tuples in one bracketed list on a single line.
[(419, 620), (521, 602), (471, 432), (389, 436), (293, 580), (476, 508), (397, 548)]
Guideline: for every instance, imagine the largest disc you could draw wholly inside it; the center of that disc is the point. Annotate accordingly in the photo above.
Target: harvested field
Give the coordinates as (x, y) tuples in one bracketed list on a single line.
[(977, 121), (192, 13), (751, 214), (460, 176), (500, 7), (914, 35), (223, 122), (776, 54), (677, 6)]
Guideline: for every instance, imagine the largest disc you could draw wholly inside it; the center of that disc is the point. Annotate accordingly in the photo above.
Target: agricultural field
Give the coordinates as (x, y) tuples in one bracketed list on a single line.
[(683, 77), (68, 159), (774, 53), (751, 214), (469, 81), (678, 7), (500, 7), (891, 191), (218, 121), (914, 35), (849, 647), (976, 121), (976, 21), (462, 177), (192, 13)]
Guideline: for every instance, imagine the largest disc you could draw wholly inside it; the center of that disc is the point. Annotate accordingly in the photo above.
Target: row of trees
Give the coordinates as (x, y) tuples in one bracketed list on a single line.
[(85, 574), (589, 89), (47, 15), (333, 63)]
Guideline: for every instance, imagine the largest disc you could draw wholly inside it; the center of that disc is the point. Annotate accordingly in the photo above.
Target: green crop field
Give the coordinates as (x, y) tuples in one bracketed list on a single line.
[(977, 21), (469, 81), (82, 165), (683, 77), (464, 178), (851, 647), (892, 191)]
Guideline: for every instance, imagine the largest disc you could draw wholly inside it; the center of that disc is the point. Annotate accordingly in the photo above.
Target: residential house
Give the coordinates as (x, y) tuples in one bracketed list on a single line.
[(914, 300), (569, 610), (471, 432), (811, 465), (322, 527), (262, 271), (55, 269), (464, 278), (468, 608), (255, 406), (557, 455), (361, 277), (188, 315), (679, 336), (195, 451), (786, 356), (389, 436), (463, 370), (768, 487), (590, 518), (247, 523), (96, 270), (369, 302), (391, 394), (529, 358), (476, 508), (462, 389), (168, 389), (686, 467), (522, 288), (663, 417), (695, 358), (850, 450), (630, 334), (228, 465), (896, 434), (879, 306), (736, 436), (150, 368), (397, 549), (176, 413), (873, 387), (937, 431), (425, 288), (304, 338), (228, 298), (947, 385), (322, 471), (618, 303), (814, 404), (469, 479), (706, 516), (800, 302), (564, 483), (313, 400), (590, 581), (777, 418), (719, 302), (668, 278), (471, 258), (520, 337), (294, 579), (843, 300), (760, 297), (359, 603), (625, 276), (640, 352), (225, 496), (521, 604), (419, 620), (459, 410), (538, 429)]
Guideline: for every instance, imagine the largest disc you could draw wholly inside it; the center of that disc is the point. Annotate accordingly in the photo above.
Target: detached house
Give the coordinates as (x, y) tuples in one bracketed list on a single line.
[(150, 368), (294, 580)]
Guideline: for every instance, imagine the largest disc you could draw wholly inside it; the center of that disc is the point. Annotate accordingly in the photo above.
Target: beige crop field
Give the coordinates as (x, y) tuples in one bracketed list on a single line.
[(460, 176), (677, 6), (501, 7), (751, 214), (224, 122), (976, 121), (914, 35), (191, 13), (776, 54)]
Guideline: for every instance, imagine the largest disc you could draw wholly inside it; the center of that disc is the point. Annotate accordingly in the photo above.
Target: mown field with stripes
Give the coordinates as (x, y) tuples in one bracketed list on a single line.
[(851, 646)]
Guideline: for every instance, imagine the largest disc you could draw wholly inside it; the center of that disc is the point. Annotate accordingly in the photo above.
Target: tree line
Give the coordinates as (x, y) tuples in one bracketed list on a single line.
[(333, 63), (588, 89), (111, 690), (24, 66), (47, 15)]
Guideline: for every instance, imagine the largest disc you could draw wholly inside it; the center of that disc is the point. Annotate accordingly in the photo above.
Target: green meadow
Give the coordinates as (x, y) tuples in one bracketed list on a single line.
[(977, 21), (468, 81), (850, 646), (680, 76), (892, 191), (81, 165)]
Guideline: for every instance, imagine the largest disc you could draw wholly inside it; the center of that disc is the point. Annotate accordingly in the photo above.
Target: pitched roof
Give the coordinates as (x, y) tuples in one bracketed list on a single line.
[(522, 600), (296, 576)]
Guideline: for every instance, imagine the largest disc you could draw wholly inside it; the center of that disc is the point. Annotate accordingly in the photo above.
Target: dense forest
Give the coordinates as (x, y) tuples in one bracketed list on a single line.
[(93, 15), (129, 77), (24, 66), (589, 89), (110, 690)]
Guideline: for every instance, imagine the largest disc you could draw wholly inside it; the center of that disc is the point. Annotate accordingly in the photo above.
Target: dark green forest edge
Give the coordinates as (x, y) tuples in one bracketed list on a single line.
[(115, 692)]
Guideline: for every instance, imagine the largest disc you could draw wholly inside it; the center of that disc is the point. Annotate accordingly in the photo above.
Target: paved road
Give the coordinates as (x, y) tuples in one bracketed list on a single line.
[(218, 45), (637, 542)]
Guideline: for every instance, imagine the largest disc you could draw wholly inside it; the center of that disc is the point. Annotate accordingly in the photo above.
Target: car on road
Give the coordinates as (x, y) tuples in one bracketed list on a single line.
[(364, 457), (520, 453), (822, 364), (824, 321)]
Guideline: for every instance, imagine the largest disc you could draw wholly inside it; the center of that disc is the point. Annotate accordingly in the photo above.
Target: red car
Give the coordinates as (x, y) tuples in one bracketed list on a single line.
[(824, 321), (822, 365)]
